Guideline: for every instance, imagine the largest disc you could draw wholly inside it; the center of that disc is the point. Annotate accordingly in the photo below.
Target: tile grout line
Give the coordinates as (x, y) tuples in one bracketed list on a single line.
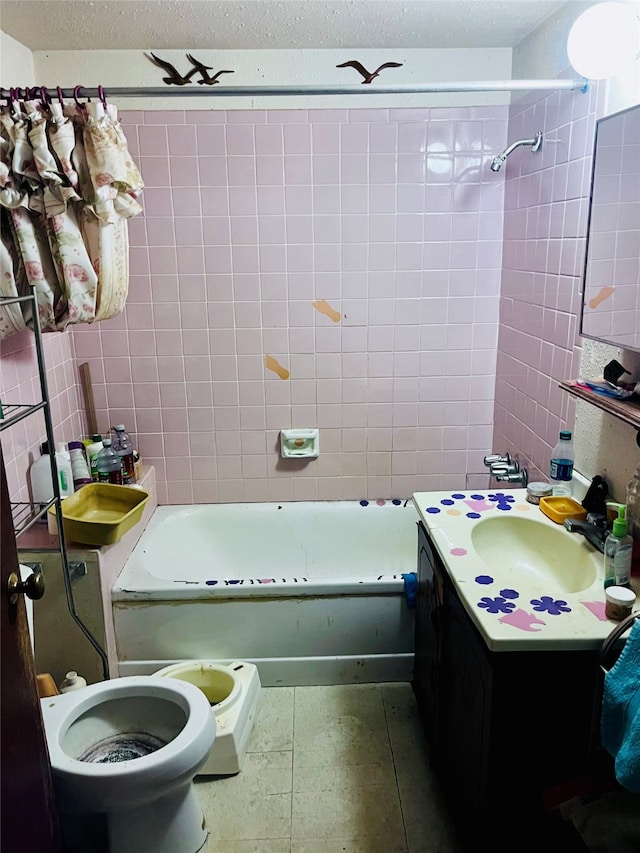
[(395, 769), (293, 758)]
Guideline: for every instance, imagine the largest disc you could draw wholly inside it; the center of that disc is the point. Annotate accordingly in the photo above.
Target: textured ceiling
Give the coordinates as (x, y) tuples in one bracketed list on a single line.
[(271, 24)]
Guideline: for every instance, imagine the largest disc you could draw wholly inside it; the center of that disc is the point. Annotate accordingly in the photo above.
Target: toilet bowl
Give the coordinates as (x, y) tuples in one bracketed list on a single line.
[(233, 691), (130, 748)]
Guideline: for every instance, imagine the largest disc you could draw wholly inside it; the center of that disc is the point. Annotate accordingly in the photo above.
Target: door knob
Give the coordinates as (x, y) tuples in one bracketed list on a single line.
[(33, 587)]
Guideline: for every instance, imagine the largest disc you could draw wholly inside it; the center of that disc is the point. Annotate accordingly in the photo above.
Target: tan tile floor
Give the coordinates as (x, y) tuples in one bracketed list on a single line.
[(340, 769)]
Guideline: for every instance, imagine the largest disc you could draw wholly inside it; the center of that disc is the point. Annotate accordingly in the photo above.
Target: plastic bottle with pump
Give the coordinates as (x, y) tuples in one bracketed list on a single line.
[(108, 465), (123, 446), (617, 553), (633, 520), (561, 465)]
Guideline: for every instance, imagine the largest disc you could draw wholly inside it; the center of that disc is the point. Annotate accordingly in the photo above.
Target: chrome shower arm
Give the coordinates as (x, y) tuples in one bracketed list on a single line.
[(535, 142)]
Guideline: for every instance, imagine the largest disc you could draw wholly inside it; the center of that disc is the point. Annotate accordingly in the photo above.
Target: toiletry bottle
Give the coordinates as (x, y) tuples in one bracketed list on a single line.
[(79, 467), (123, 446), (617, 553), (633, 520), (92, 450), (72, 681), (65, 474), (561, 466), (108, 465), (40, 477)]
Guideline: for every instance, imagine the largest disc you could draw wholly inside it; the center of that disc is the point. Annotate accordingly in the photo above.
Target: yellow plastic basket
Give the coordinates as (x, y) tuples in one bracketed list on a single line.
[(101, 513)]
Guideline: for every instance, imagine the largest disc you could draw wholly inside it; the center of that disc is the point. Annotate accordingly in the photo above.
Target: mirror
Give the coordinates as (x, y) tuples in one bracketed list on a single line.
[(611, 282)]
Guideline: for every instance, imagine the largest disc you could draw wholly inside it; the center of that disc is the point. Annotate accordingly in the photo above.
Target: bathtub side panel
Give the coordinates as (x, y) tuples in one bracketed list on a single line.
[(282, 631)]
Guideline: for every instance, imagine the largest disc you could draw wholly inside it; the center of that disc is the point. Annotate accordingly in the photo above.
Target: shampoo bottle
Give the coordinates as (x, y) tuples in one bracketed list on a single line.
[(617, 553)]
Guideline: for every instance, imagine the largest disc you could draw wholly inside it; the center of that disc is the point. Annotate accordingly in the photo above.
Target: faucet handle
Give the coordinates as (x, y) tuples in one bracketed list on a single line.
[(521, 476), (504, 468), (496, 458)]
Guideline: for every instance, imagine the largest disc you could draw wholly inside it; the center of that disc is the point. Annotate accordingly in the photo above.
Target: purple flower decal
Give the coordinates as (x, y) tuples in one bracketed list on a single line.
[(552, 606), (496, 605), (484, 579), (509, 593)]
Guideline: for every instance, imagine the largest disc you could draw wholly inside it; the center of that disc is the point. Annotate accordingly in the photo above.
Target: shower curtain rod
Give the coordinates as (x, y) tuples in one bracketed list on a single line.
[(358, 89)]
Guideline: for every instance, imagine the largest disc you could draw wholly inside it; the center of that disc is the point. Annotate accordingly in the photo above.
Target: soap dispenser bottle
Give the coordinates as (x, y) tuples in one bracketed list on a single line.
[(617, 553)]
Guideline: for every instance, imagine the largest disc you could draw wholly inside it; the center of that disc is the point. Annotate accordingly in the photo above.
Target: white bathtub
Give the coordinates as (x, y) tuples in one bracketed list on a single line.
[(312, 593)]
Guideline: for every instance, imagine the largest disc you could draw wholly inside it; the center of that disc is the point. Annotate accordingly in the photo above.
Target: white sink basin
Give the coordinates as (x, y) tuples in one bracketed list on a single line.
[(546, 557)]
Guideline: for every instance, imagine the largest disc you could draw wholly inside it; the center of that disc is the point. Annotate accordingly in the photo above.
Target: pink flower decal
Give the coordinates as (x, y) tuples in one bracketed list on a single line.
[(74, 272)]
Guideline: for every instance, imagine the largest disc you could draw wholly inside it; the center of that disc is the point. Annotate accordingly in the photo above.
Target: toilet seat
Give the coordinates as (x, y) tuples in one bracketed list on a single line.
[(111, 784)]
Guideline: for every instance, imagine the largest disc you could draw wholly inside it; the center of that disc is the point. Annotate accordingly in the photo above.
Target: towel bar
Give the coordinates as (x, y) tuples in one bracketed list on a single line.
[(611, 641)]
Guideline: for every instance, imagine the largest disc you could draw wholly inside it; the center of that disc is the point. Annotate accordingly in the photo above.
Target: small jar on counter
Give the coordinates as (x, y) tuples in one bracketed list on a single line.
[(619, 602), (535, 491)]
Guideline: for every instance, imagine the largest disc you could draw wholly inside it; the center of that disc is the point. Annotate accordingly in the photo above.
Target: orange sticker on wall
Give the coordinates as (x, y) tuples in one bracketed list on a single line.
[(604, 294), (273, 364), (324, 308)]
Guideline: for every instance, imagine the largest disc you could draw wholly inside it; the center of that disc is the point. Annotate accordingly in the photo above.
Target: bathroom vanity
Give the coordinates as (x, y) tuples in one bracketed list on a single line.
[(506, 667)]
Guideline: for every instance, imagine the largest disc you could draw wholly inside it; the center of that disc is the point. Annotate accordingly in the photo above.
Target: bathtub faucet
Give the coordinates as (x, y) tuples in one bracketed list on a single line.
[(505, 469)]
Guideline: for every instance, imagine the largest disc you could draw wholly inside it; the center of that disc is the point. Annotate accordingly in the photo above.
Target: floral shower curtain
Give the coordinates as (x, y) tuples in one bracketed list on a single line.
[(67, 187)]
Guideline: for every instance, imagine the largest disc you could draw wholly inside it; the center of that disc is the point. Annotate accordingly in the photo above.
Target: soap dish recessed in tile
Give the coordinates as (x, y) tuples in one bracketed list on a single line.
[(560, 507)]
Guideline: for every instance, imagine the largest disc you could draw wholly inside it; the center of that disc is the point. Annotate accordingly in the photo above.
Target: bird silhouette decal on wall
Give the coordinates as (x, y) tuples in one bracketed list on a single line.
[(203, 69), (368, 75), (177, 79)]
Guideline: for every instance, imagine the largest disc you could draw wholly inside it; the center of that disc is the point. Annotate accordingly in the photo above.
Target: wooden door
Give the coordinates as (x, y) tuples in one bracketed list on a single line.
[(29, 818)]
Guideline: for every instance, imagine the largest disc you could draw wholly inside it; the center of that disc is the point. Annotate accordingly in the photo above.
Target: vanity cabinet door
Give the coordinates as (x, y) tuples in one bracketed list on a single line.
[(466, 691), (428, 639)]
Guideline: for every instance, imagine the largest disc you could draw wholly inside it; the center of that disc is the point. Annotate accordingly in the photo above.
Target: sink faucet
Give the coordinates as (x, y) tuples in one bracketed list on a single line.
[(594, 528)]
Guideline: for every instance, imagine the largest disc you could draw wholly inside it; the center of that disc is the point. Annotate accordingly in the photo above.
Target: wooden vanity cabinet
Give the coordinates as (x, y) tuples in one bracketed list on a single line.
[(502, 727)]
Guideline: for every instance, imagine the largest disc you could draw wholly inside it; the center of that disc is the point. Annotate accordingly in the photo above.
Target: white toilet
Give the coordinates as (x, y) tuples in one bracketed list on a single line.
[(130, 748), (233, 691)]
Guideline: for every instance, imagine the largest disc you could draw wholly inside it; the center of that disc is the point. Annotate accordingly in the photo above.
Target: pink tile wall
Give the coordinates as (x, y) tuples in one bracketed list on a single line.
[(20, 384), (388, 220), (545, 220)]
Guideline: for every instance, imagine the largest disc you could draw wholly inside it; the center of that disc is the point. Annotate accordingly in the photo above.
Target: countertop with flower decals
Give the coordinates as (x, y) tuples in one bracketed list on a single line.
[(526, 582)]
